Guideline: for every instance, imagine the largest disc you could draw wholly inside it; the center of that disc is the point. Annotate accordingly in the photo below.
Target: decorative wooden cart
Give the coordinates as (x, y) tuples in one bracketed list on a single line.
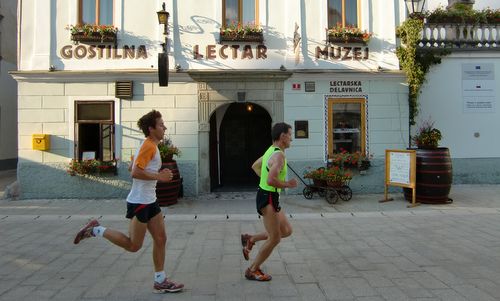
[(332, 191)]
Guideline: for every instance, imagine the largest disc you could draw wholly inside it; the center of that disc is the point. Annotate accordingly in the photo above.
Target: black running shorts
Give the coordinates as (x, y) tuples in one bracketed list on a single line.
[(265, 198), (143, 212)]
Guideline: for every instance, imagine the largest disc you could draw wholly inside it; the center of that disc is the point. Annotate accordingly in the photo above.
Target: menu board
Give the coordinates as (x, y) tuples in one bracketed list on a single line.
[(400, 167)]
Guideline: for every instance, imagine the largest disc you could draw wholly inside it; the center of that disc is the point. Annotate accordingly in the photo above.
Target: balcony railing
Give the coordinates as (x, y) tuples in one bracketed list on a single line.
[(460, 36)]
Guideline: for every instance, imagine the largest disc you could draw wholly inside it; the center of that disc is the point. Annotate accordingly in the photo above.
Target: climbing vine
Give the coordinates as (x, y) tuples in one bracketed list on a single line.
[(415, 62)]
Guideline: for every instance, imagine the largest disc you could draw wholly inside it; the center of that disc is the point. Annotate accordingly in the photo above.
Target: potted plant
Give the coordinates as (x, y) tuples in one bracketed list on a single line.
[(337, 176), (168, 150), (343, 158), (92, 167), (334, 176), (365, 162), (167, 193), (318, 176), (93, 33), (427, 136), (434, 174), (347, 34), (249, 32)]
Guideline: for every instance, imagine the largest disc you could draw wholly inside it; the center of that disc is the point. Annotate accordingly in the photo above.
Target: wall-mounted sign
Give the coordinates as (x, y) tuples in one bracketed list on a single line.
[(103, 52), (346, 86), (295, 86), (342, 53), (234, 52), (478, 88)]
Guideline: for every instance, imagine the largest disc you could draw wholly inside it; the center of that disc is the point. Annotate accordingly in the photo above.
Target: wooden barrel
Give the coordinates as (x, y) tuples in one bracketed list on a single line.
[(168, 192), (433, 176)]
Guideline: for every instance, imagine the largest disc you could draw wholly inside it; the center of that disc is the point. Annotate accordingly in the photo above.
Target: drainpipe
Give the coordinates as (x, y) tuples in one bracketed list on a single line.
[(19, 27)]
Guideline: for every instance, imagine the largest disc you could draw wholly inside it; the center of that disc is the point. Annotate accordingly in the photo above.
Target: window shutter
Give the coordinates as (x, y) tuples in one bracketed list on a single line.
[(124, 89)]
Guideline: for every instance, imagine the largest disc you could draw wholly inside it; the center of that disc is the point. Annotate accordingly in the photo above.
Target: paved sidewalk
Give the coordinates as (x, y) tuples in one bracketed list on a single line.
[(356, 250)]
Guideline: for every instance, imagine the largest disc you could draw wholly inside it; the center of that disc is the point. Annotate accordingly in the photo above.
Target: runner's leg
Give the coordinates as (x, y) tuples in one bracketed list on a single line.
[(137, 231), (156, 226), (285, 229), (272, 226)]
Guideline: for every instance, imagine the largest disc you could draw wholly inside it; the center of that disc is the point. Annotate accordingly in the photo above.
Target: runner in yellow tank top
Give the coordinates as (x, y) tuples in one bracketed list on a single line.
[(271, 168)]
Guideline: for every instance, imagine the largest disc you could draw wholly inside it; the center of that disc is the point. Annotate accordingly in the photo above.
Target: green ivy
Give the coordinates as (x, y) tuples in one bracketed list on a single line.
[(415, 62)]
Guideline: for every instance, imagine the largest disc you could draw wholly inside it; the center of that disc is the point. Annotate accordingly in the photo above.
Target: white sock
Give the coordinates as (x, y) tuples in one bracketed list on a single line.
[(160, 276), (98, 231)]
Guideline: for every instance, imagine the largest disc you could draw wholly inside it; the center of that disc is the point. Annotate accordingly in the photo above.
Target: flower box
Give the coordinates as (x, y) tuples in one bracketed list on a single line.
[(92, 167), (256, 37), (91, 33), (238, 32), (93, 38), (348, 40), (347, 34)]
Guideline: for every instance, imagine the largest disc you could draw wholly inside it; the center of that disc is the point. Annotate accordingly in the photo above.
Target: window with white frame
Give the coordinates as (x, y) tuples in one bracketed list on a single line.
[(95, 130), (240, 12), (98, 12), (343, 12)]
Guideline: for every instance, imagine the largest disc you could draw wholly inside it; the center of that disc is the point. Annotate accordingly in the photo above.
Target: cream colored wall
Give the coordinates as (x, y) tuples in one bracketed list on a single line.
[(47, 107), (387, 103), (195, 22)]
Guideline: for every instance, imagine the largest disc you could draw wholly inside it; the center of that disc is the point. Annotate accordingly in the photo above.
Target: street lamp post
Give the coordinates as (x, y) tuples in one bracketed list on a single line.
[(163, 56)]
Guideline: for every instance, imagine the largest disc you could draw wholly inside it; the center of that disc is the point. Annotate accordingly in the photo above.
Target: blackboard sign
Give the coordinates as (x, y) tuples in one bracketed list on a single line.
[(400, 170)]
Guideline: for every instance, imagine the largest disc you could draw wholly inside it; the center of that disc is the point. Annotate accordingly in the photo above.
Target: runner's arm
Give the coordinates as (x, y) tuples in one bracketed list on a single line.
[(164, 175), (256, 166), (146, 153), (276, 163)]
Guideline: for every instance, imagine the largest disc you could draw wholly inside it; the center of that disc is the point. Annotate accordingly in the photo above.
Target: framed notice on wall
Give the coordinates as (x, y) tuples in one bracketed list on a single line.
[(400, 170)]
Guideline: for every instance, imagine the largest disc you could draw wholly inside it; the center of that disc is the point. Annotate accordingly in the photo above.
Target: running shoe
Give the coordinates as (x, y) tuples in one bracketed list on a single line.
[(247, 245), (244, 238), (257, 275), (86, 231), (167, 286)]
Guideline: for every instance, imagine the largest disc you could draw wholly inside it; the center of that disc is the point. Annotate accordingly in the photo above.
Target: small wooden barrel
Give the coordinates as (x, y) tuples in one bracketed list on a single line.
[(433, 176), (168, 192)]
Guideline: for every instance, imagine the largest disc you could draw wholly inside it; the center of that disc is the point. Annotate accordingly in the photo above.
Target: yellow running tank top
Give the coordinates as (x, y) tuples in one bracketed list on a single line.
[(264, 171)]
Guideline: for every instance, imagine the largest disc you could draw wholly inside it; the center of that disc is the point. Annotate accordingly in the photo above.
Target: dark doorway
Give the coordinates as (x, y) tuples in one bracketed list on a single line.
[(244, 136)]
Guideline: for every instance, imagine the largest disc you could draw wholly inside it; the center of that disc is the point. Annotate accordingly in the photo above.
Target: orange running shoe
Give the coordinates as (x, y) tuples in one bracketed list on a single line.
[(247, 245), (257, 275)]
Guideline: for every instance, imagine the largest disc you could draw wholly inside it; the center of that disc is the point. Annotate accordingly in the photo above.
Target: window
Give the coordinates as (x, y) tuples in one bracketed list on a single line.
[(346, 125), (345, 12), (95, 130), (98, 12), (240, 12)]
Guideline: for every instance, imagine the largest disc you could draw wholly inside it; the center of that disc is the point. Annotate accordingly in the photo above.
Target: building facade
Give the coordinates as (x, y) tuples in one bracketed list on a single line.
[(224, 92), (8, 86)]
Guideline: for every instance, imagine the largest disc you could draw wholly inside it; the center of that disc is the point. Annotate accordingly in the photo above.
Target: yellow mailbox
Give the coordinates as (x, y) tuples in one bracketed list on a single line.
[(41, 141)]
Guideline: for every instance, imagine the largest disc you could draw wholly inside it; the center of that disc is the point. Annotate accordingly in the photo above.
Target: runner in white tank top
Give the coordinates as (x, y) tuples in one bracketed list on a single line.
[(142, 209)]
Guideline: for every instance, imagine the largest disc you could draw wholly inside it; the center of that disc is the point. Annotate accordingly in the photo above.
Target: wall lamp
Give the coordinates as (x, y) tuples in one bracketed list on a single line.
[(415, 7), (163, 18), (163, 56)]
